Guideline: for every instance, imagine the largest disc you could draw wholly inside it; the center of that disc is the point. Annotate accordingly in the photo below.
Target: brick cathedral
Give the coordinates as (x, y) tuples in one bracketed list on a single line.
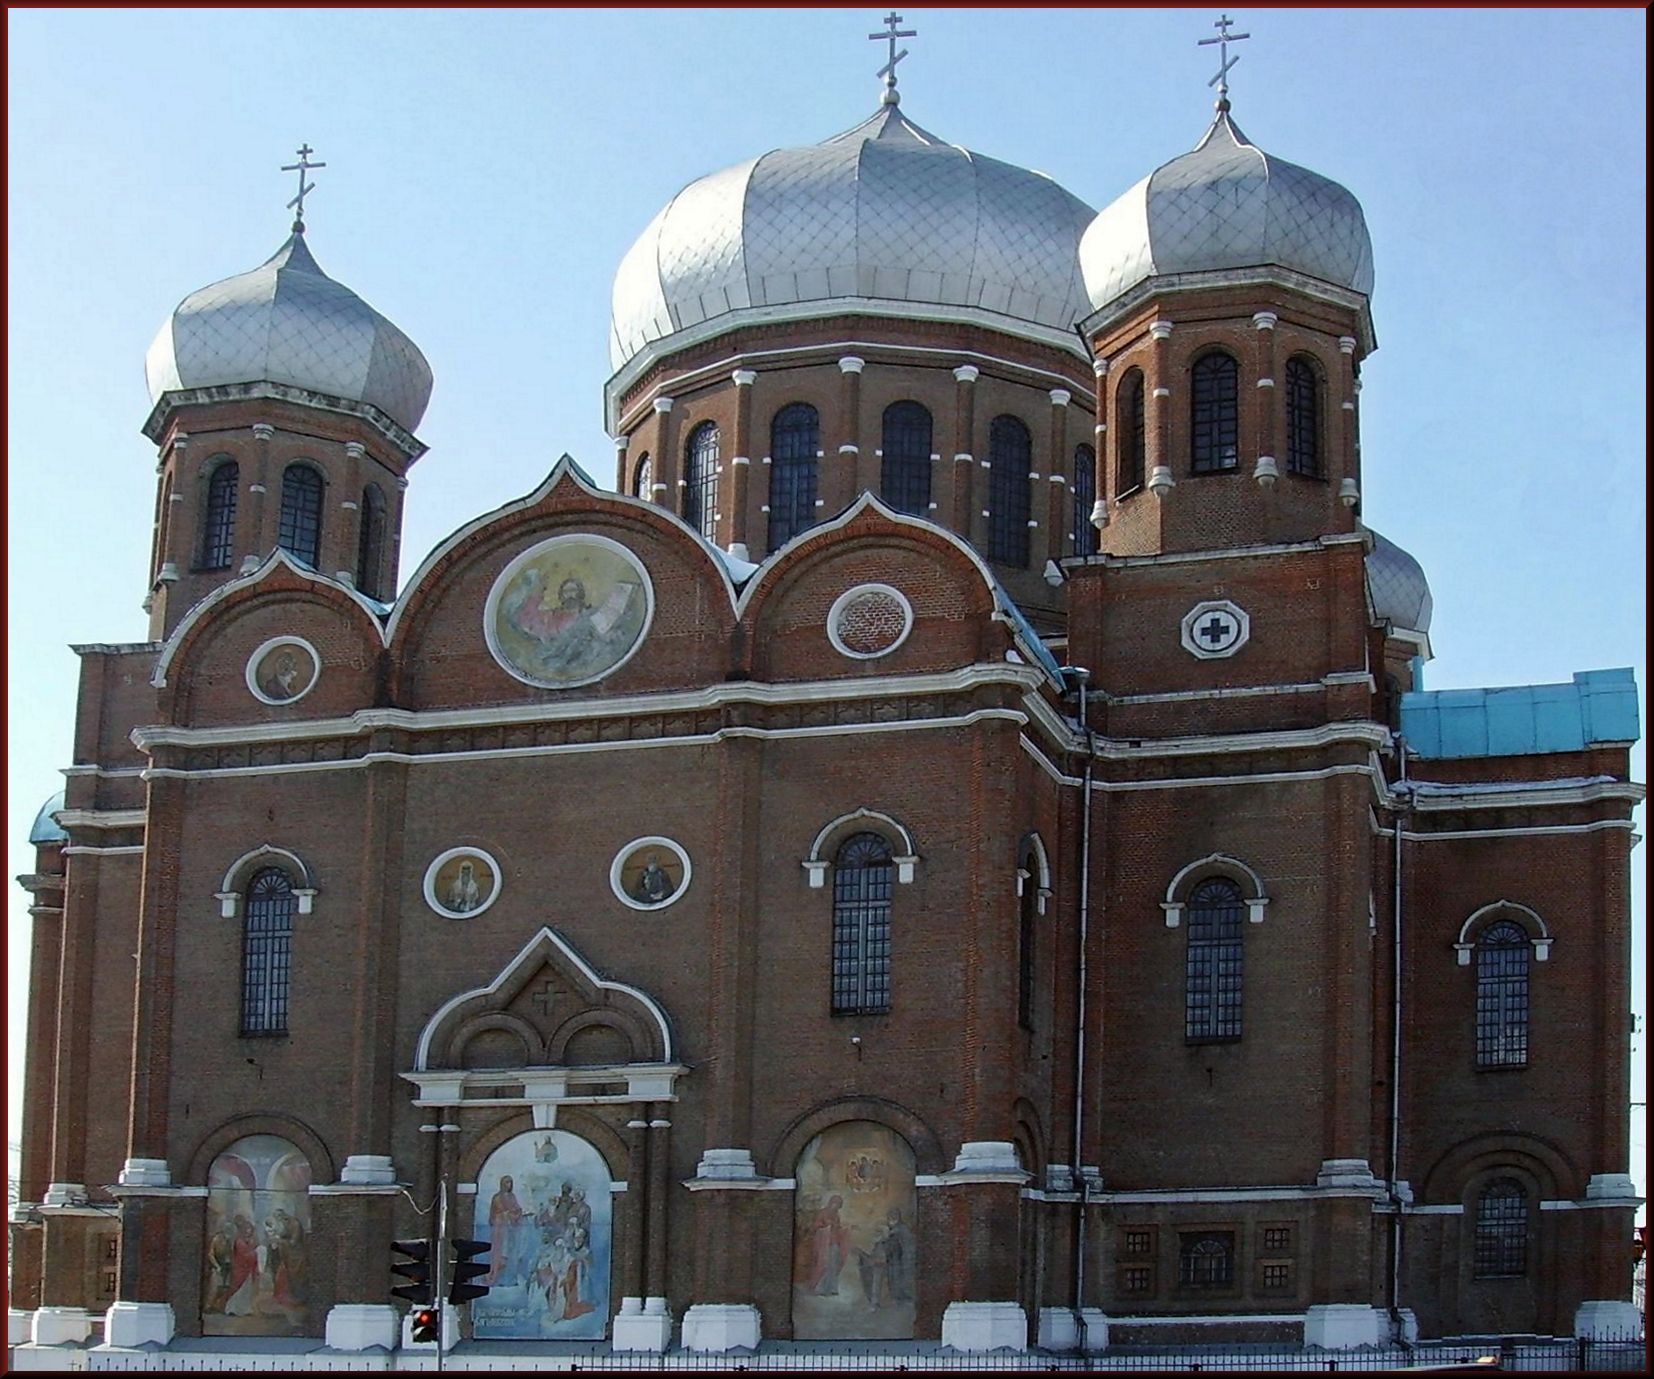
[(954, 846)]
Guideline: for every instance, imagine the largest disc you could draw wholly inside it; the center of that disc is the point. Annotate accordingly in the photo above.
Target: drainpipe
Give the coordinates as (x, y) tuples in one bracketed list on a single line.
[(1403, 795), (1083, 676)]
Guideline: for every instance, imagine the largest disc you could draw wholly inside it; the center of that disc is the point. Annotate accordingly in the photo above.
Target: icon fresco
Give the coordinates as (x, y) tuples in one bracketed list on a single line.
[(568, 611), (282, 670), (256, 1261)]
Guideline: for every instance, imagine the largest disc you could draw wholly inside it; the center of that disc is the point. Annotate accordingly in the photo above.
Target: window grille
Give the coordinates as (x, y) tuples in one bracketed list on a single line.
[(1206, 1261), (700, 476), (1138, 1242), (266, 952), (905, 477), (370, 542), (218, 524), (1010, 457), (1212, 989), (1133, 425), (1502, 1230), (1277, 1239), (1136, 1279), (1085, 498), (643, 479), (1303, 419), (1277, 1277), (1215, 414), (862, 878), (301, 514), (795, 436), (1502, 996)]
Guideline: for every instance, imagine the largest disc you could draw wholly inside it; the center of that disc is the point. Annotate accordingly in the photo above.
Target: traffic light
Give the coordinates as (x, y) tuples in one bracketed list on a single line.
[(417, 1267), (427, 1323), (465, 1268)]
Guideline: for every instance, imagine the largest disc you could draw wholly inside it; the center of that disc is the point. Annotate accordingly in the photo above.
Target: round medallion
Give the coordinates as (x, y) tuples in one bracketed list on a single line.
[(568, 611), (283, 670), (1215, 629), (461, 883), (868, 621), (650, 873)]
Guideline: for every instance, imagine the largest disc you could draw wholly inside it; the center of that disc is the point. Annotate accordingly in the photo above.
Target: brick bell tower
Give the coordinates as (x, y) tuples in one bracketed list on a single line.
[(284, 410)]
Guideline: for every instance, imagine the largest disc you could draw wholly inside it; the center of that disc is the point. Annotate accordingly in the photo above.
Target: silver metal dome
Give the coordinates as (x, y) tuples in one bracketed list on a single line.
[(1227, 204), (287, 322), (1399, 589), (884, 212), (45, 828)]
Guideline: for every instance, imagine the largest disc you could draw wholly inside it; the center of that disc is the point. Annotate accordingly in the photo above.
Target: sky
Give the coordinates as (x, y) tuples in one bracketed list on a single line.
[(487, 169)]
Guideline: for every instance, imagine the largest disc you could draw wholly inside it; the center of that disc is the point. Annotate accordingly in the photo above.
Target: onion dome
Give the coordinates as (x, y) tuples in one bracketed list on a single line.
[(287, 322), (1399, 590), (45, 828), (1227, 204), (885, 213)]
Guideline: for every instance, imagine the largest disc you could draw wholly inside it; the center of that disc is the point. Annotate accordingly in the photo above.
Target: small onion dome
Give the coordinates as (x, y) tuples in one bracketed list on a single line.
[(884, 212), (287, 322), (45, 828), (1227, 204), (1399, 590)]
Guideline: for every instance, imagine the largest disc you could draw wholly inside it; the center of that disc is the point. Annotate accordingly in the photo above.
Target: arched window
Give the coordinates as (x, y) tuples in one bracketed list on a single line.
[(370, 542), (1206, 1260), (861, 926), (1502, 1230), (905, 477), (1085, 498), (1027, 908), (301, 514), (1303, 419), (1133, 424), (795, 436), (1212, 986), (266, 952), (1502, 996), (700, 479), (1010, 456), (1214, 414), (643, 479), (218, 518)]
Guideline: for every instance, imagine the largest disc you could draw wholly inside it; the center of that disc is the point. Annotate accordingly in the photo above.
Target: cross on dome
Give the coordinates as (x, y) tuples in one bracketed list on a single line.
[(1225, 62), (301, 167), (888, 71)]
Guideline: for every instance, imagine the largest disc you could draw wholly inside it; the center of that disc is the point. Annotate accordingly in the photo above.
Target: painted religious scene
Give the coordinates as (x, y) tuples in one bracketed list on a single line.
[(257, 1250), (543, 1206), (853, 1236), (568, 611)]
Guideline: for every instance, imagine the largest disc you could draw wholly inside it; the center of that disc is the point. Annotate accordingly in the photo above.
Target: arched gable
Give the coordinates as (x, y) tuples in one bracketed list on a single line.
[(1530, 921)]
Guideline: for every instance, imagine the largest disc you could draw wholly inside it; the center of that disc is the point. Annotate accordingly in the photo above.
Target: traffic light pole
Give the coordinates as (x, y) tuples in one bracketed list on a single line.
[(439, 1260)]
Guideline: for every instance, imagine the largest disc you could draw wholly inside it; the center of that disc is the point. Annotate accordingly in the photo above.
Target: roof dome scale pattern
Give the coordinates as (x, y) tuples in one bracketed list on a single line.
[(287, 322), (1399, 589)]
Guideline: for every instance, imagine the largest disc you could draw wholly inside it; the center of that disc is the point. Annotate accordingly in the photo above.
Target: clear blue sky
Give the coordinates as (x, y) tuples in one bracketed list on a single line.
[(487, 170)]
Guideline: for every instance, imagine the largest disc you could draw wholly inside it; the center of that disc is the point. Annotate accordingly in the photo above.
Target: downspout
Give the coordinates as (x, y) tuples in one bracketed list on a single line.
[(1082, 1333), (1403, 794)]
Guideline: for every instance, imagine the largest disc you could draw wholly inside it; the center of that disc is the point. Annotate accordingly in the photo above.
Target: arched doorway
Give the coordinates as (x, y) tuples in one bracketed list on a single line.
[(854, 1256), (543, 1206), (256, 1260)]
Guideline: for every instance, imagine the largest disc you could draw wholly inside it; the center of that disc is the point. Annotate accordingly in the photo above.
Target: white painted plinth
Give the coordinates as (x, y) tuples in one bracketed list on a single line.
[(361, 1326), (1059, 1329), (985, 1326), (987, 1156), (450, 1330), (368, 1170), (61, 1325), (1608, 1320), (131, 1324), (642, 1324), (720, 1326), (726, 1165), (19, 1326), (145, 1173), (1409, 1328), (1345, 1325)]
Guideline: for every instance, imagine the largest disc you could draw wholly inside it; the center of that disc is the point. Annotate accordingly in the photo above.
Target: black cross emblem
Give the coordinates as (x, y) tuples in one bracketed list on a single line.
[(1218, 629)]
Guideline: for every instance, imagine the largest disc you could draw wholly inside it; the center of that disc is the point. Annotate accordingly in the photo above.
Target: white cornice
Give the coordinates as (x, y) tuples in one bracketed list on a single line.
[(101, 818), (1532, 794)]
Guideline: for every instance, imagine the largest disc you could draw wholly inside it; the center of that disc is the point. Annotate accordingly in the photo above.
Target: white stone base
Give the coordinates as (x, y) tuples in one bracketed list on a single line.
[(145, 1173), (985, 1326), (19, 1326), (132, 1324), (368, 1170), (450, 1330), (642, 1324), (1607, 1320), (1345, 1325), (361, 1326), (1059, 1329), (720, 1326), (61, 1325), (1409, 1329)]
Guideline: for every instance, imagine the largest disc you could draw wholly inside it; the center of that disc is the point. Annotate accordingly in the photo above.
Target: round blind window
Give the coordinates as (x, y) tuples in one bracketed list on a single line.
[(868, 621)]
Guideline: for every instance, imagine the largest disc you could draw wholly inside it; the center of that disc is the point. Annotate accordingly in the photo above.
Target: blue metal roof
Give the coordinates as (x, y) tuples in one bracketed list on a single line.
[(1028, 639), (1598, 706), (45, 828)]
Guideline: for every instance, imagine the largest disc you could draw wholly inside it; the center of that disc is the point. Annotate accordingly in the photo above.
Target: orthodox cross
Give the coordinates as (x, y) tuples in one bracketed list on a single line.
[(301, 167), (1225, 62), (888, 71)]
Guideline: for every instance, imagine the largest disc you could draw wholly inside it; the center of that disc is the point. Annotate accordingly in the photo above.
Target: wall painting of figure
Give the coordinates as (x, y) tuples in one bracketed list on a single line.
[(256, 1260)]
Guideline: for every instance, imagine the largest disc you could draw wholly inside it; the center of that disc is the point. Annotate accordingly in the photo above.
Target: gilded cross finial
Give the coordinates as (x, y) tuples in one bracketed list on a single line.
[(893, 31), (301, 167), (1225, 62)]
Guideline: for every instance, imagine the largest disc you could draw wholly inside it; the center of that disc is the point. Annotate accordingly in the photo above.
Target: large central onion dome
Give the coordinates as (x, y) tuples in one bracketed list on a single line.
[(287, 322), (884, 212), (1227, 204)]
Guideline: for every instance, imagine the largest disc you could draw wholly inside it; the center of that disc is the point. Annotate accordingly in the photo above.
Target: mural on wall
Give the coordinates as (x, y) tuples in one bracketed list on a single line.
[(461, 882), (543, 1206), (568, 611), (256, 1261), (282, 670), (650, 873), (853, 1242)]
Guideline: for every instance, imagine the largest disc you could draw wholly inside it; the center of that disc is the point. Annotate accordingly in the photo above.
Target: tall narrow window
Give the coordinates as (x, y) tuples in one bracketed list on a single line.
[(1303, 419), (1026, 909), (1215, 414), (904, 480), (370, 543), (795, 436), (643, 479), (862, 876), (266, 952), (1502, 996), (1502, 1230), (1134, 433), (1085, 498), (700, 479), (218, 521), (1010, 456), (301, 514), (1212, 987)]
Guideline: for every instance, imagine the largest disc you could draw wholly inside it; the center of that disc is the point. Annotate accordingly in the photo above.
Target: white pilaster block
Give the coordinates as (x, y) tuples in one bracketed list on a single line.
[(1345, 1325), (361, 1326), (1604, 1319), (61, 1325), (145, 1173), (726, 1164), (1611, 1187), (64, 1195), (721, 1326), (987, 1156), (1062, 1328), (368, 1170), (132, 1324), (19, 1326), (1346, 1173), (642, 1324), (985, 1326)]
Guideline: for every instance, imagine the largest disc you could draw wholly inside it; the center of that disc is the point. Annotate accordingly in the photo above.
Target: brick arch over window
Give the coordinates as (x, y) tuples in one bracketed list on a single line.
[(1010, 467), (1529, 921), (1216, 864), (921, 1139), (903, 855), (300, 532), (1304, 391), (1131, 447), (700, 479), (216, 547), (482, 1030), (1214, 414), (575, 1119), (1033, 878), (1457, 1173), (296, 1132), (245, 867)]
